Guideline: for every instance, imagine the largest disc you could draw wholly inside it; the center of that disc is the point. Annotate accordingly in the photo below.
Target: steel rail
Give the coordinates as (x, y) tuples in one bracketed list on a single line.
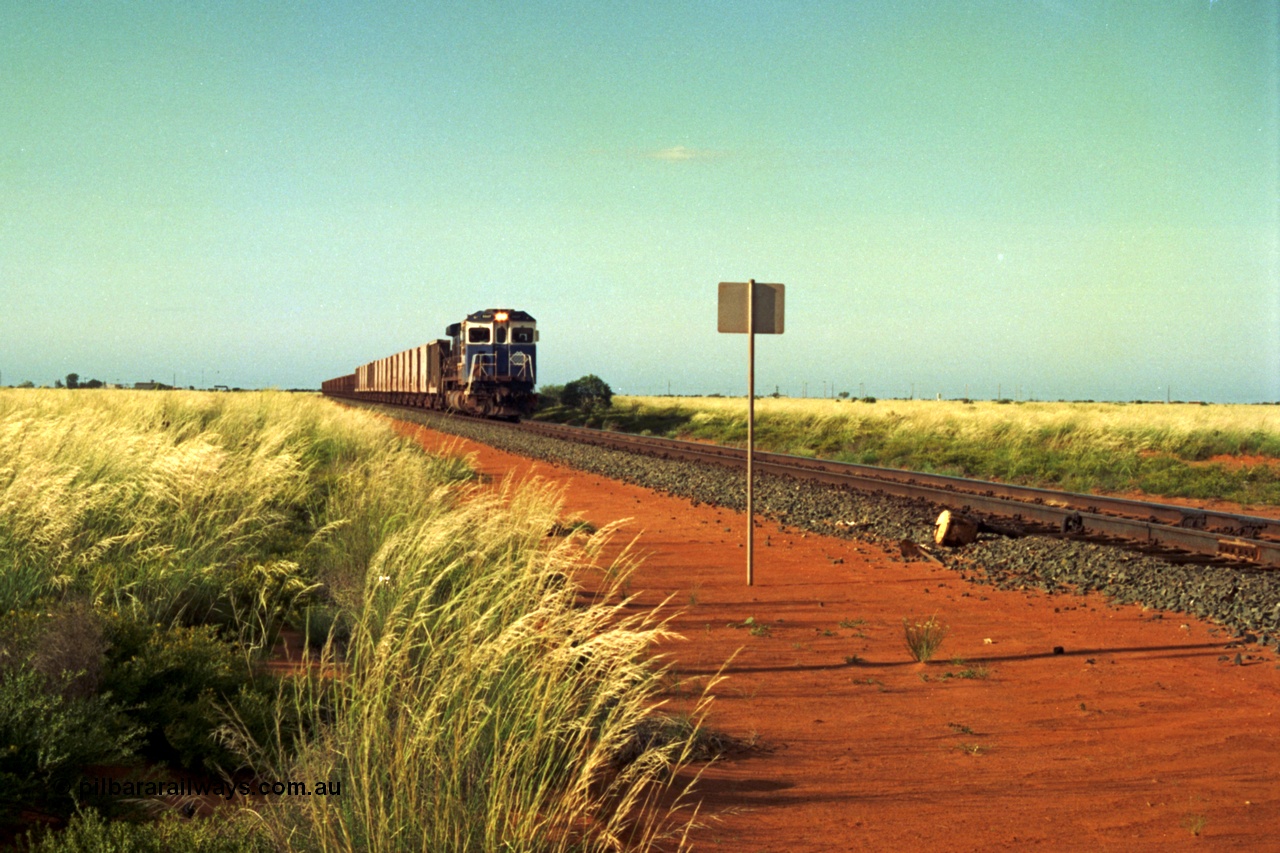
[(1204, 532)]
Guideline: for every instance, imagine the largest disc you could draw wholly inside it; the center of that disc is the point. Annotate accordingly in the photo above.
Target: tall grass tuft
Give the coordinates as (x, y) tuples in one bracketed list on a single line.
[(923, 637), (485, 702)]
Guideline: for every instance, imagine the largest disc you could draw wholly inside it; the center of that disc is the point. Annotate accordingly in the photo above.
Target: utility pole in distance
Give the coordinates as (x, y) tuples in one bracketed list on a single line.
[(751, 307)]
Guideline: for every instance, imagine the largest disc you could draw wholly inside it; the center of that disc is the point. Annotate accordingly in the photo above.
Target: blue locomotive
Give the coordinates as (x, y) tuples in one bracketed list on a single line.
[(486, 366)]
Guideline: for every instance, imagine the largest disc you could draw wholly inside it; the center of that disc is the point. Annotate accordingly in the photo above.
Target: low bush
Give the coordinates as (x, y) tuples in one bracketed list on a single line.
[(588, 393), (88, 831), (549, 396), (180, 684), (47, 739)]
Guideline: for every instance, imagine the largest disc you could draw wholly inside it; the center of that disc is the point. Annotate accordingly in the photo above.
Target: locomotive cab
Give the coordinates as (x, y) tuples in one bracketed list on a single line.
[(494, 352)]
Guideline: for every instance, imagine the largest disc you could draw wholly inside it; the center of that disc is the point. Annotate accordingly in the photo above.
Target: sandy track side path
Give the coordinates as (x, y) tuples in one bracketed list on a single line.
[(1143, 734)]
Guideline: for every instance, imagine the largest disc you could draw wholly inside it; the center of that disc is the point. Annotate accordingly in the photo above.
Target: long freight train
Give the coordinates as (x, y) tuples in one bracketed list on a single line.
[(485, 367)]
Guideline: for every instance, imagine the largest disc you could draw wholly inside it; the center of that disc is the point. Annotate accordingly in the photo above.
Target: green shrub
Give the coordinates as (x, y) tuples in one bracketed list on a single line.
[(46, 741), (549, 396), (181, 683), (588, 393), (321, 623), (88, 832)]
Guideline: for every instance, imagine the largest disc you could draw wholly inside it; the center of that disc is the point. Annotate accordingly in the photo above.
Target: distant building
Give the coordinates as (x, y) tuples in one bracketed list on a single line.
[(151, 386)]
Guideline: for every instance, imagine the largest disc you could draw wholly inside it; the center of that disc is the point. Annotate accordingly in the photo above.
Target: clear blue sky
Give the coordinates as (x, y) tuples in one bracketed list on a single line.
[(1078, 199)]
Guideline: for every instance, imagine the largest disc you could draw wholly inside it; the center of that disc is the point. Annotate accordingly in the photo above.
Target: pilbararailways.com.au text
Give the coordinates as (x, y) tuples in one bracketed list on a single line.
[(95, 787)]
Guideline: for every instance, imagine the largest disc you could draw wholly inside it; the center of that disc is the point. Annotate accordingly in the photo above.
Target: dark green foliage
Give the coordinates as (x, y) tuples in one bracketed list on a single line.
[(549, 396), (650, 421), (322, 622), (54, 719), (47, 739), (87, 831), (179, 684), (588, 393), (584, 402)]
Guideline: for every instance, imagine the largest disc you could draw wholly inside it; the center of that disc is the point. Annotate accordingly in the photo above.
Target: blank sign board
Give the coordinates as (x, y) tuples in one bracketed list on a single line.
[(768, 305)]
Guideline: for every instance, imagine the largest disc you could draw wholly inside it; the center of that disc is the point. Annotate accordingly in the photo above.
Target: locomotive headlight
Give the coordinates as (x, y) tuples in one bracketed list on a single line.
[(500, 317)]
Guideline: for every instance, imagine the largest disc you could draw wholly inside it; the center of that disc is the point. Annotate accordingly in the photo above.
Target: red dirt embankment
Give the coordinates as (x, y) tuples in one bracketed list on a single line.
[(1143, 734)]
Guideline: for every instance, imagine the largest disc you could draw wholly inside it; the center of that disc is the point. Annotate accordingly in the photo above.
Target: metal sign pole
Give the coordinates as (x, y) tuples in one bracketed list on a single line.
[(735, 300), (751, 424)]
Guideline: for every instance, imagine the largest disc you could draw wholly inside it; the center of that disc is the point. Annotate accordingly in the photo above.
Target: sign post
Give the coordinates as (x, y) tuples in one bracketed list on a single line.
[(753, 308)]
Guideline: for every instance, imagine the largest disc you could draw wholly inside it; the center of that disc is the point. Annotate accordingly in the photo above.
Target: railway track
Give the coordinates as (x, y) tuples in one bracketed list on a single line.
[(1174, 533), (1167, 529), (1210, 565)]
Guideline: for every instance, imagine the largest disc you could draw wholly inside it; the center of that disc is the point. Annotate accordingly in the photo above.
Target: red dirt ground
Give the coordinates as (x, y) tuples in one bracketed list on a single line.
[(1235, 463), (1229, 461), (1260, 510), (1144, 734)]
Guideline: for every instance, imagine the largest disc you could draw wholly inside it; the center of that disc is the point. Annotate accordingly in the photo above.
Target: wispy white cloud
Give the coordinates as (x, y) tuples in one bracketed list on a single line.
[(678, 153)]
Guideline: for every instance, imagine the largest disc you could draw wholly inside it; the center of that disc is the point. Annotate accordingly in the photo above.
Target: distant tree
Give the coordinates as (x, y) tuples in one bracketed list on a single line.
[(57, 383), (589, 392), (73, 380), (26, 383), (844, 395), (92, 383), (549, 396)]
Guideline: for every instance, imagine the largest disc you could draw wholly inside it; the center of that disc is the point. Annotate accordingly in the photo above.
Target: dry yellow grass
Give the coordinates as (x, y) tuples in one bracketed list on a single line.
[(483, 706), (1161, 449), (985, 416)]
